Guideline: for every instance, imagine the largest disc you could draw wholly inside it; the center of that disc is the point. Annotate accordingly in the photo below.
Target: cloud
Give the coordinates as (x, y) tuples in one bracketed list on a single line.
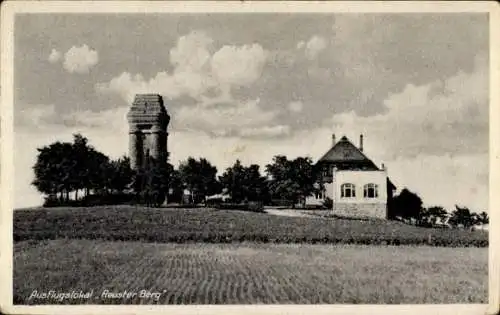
[(208, 79), (239, 66), (295, 106), (113, 120), (54, 56), (196, 70), (234, 118), (127, 85), (266, 131), (441, 117), (445, 180), (193, 51), (314, 46), (433, 138), (35, 115), (80, 59)]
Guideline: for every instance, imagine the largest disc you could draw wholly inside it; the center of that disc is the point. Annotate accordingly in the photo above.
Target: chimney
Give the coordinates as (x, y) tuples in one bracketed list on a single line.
[(333, 139), (383, 167), (361, 143)]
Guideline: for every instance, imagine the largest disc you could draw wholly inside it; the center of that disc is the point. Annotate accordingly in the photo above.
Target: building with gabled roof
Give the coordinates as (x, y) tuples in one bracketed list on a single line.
[(357, 186)]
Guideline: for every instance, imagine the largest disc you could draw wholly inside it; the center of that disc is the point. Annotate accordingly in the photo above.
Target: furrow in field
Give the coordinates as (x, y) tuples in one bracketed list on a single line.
[(164, 266), (290, 286), (250, 289), (255, 267), (137, 281), (159, 267), (210, 277), (246, 284), (265, 284), (170, 280), (188, 277), (179, 275), (226, 283), (182, 272), (176, 276), (121, 274), (196, 281)]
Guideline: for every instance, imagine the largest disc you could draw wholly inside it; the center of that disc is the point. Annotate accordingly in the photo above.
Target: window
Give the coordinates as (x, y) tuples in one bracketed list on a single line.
[(348, 191), (370, 191)]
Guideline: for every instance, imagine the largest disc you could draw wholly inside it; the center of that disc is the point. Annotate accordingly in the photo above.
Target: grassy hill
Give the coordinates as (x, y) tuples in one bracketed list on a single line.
[(128, 223)]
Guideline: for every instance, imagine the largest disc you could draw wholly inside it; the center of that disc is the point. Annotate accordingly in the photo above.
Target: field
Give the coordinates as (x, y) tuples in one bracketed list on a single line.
[(249, 273), (128, 223), (206, 256)]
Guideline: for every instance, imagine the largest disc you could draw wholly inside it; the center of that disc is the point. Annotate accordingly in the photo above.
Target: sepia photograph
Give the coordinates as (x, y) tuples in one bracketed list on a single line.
[(247, 154)]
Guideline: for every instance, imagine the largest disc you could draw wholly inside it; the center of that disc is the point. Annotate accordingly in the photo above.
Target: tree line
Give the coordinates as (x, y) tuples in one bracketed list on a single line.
[(408, 206), (67, 172)]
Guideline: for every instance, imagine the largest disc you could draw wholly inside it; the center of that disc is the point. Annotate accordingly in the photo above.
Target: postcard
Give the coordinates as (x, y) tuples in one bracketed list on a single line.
[(250, 157)]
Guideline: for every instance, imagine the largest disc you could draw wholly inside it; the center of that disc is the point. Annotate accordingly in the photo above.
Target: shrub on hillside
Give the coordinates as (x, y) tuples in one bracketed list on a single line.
[(281, 203), (328, 203), (253, 206), (407, 205), (91, 200)]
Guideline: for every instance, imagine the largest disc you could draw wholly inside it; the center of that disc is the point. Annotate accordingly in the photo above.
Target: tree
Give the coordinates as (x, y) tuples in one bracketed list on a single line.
[(232, 180), (431, 215), (198, 176), (291, 179), (151, 181), (121, 174), (176, 188), (55, 170), (64, 167), (99, 171), (244, 183), (462, 216), (406, 205), (484, 218), (80, 154)]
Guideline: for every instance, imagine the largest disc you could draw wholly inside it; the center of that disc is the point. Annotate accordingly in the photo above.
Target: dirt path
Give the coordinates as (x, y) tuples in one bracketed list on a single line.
[(288, 213)]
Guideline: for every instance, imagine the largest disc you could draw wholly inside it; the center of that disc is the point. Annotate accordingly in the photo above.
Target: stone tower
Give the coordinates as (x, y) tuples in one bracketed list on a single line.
[(148, 121)]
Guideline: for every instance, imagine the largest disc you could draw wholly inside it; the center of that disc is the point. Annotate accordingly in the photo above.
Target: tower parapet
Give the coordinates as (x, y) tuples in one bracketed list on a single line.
[(148, 122)]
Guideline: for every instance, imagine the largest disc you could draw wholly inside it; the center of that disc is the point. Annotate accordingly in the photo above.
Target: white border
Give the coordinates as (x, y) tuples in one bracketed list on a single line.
[(9, 8)]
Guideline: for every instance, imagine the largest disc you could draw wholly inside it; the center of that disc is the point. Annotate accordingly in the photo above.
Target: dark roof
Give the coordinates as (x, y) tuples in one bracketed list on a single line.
[(346, 155)]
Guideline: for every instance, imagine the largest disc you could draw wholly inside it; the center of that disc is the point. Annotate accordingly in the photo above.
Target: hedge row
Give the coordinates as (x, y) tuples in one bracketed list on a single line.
[(92, 200), (252, 206), (258, 238)]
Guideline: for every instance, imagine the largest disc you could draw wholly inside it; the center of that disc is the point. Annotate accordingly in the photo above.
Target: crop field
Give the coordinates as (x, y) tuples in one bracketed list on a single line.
[(128, 223), (247, 273)]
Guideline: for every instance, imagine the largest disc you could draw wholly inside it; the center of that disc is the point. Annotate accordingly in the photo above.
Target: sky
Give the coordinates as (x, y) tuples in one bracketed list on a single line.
[(250, 86)]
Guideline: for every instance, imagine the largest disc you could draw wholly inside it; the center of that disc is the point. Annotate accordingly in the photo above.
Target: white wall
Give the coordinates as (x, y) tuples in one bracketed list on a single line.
[(359, 179)]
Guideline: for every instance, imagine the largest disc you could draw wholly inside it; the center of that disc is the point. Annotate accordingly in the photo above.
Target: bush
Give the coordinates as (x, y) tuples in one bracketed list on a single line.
[(91, 200), (281, 203), (111, 199), (253, 206), (328, 203)]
